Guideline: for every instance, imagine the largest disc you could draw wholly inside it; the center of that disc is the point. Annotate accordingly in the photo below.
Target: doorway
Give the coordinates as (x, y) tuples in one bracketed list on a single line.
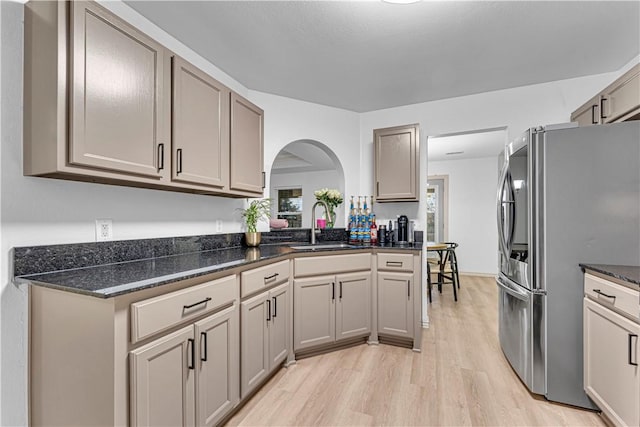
[(437, 208)]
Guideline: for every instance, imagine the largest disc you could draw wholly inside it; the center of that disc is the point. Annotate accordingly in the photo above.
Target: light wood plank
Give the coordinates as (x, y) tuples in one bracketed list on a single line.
[(460, 378)]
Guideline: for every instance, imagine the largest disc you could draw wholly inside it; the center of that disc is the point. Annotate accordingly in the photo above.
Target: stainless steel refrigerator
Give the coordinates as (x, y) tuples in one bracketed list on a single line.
[(567, 195)]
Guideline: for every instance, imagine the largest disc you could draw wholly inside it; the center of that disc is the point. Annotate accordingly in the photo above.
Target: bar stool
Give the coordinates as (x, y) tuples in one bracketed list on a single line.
[(447, 269)]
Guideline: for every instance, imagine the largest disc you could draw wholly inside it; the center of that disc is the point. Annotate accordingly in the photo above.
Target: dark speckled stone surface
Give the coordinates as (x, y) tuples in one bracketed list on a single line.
[(110, 269), (626, 273)]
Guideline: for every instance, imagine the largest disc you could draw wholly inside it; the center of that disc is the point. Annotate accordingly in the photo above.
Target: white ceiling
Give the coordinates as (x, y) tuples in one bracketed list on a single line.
[(466, 146), (370, 55), (301, 156)]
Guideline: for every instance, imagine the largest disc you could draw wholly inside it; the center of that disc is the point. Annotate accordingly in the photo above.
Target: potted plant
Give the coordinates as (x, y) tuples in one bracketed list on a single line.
[(333, 199), (258, 209)]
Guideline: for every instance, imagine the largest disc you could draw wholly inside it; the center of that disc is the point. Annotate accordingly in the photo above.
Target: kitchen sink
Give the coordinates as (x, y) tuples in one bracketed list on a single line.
[(320, 246)]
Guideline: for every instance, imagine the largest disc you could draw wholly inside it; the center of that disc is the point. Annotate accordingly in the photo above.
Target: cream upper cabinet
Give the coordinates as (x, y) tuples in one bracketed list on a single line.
[(247, 128), (396, 163), (200, 133), (617, 102), (589, 113), (118, 78), (622, 98), (104, 103)]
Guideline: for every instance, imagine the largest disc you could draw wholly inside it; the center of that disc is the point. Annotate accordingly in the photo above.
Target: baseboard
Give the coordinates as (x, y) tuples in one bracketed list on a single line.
[(478, 274)]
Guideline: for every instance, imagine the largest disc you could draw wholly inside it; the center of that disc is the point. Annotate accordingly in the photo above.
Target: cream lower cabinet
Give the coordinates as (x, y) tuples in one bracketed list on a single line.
[(189, 377), (264, 336), (399, 300), (331, 308), (611, 359), (395, 304)]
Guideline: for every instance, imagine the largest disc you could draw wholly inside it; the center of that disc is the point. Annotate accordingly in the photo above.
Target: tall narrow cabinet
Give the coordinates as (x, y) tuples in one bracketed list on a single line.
[(396, 164), (200, 143)]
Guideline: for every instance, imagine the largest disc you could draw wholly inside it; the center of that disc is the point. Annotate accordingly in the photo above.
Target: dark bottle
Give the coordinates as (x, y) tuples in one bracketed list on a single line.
[(382, 235)]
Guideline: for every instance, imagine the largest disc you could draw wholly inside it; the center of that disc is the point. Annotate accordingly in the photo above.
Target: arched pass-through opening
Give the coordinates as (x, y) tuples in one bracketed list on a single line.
[(300, 168)]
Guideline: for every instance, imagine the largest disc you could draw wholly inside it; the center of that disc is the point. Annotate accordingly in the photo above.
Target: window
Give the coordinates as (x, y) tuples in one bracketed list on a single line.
[(290, 206)]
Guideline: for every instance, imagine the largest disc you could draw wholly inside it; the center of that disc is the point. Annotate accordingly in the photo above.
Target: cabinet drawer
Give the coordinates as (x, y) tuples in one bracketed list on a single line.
[(395, 262), (254, 280), (612, 295), (331, 264), (162, 312)]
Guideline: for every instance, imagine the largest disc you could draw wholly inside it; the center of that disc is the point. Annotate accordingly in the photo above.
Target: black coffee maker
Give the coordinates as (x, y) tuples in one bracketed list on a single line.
[(403, 230)]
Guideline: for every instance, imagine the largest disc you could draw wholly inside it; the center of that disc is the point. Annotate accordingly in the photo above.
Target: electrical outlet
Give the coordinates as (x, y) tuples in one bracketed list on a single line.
[(104, 230), (218, 226)]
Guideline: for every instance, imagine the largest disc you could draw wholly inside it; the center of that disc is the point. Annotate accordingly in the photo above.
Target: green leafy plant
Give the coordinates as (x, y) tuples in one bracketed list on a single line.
[(258, 209)]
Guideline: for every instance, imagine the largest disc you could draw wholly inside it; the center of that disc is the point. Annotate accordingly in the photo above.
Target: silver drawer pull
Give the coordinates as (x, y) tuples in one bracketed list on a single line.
[(394, 263), (204, 301), (273, 276), (597, 291)]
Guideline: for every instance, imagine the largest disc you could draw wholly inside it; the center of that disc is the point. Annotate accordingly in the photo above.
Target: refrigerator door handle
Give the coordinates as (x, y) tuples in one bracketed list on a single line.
[(513, 291), (500, 212), (512, 214)]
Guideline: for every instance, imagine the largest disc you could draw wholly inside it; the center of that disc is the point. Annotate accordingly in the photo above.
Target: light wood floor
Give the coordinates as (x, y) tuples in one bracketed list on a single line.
[(460, 378)]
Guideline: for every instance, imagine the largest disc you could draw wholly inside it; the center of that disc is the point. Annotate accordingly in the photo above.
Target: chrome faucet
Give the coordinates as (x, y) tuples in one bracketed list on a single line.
[(313, 219)]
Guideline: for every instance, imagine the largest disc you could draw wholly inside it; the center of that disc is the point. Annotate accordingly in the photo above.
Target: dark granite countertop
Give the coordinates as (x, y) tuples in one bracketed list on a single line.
[(114, 279), (626, 273)]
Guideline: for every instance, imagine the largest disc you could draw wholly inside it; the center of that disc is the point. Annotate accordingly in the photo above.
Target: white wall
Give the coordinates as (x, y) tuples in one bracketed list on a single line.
[(309, 182), (288, 120), (472, 211)]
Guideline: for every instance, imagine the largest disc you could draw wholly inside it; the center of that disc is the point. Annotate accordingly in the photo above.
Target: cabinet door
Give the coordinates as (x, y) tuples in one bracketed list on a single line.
[(279, 325), (610, 348), (396, 163), (162, 381), (246, 146), (622, 97), (117, 95), (200, 143), (353, 307), (395, 304), (314, 311), (218, 375), (589, 113), (254, 342)]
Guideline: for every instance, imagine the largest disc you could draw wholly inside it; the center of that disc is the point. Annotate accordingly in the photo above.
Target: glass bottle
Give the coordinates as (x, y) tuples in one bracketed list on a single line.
[(374, 230)]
